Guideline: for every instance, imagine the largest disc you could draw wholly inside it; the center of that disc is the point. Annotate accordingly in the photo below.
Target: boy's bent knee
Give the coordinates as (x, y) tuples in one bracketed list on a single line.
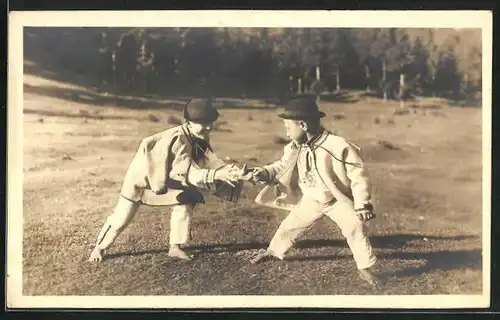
[(356, 228)]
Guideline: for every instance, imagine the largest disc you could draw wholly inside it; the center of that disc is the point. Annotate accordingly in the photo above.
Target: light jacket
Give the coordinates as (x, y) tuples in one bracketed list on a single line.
[(163, 171), (339, 165)]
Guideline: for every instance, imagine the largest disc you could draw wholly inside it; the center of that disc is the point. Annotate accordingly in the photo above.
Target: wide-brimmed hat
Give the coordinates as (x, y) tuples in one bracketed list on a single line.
[(301, 109), (200, 111)]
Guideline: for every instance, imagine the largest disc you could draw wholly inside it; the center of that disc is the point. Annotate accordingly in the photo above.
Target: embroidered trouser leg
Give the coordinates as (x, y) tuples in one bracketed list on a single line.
[(342, 213), (180, 223), (124, 212), (297, 222)]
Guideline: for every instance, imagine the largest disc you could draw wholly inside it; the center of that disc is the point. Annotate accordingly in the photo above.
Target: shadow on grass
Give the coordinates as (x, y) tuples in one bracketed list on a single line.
[(138, 102), (94, 98), (216, 248), (438, 260), (442, 260), (135, 254), (78, 115), (380, 242), (335, 97), (435, 260)]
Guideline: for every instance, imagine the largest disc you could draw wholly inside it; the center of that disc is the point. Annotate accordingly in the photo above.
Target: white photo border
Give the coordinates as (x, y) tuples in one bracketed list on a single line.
[(230, 18)]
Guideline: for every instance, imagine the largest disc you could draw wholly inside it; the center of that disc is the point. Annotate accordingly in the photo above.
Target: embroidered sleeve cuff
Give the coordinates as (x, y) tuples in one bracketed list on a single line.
[(210, 176), (271, 173), (364, 206)]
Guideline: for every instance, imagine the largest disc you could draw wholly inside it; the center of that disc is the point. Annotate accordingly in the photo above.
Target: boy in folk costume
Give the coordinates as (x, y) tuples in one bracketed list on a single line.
[(168, 169), (319, 174)]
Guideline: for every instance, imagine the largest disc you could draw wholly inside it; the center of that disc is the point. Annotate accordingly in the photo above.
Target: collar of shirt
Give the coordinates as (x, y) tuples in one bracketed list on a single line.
[(311, 142), (192, 135), (200, 145)]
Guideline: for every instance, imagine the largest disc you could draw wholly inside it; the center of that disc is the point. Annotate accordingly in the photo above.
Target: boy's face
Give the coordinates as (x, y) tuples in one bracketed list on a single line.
[(201, 129), (295, 130)]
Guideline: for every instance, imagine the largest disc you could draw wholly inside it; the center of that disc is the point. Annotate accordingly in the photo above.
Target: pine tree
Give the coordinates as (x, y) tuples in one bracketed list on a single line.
[(398, 58), (383, 41), (433, 60), (419, 67), (361, 41)]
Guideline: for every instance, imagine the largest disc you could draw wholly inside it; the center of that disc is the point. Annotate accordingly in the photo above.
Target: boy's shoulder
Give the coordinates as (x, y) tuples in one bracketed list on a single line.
[(167, 134), (335, 141)]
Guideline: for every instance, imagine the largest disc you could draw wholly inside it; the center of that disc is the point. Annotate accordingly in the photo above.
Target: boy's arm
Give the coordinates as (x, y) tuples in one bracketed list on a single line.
[(188, 172), (156, 154), (358, 175), (185, 170), (274, 168)]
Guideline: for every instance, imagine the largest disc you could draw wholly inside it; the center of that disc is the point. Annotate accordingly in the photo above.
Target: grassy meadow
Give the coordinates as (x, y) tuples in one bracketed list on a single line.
[(425, 162)]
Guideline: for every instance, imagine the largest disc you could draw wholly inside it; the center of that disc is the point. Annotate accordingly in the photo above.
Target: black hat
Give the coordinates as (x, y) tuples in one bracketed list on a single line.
[(301, 109), (200, 111)]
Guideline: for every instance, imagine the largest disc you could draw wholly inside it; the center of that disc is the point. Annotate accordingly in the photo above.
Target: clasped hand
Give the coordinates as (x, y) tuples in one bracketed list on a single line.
[(231, 174), (256, 175)]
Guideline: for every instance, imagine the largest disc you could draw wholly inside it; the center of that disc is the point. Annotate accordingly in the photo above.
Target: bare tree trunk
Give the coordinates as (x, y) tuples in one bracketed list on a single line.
[(142, 62), (401, 90), (384, 77), (318, 93), (299, 85), (466, 85), (338, 79), (433, 85), (367, 77), (113, 59)]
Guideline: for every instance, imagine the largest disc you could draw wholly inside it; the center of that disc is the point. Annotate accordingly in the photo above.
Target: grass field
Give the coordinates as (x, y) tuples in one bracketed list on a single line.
[(425, 164)]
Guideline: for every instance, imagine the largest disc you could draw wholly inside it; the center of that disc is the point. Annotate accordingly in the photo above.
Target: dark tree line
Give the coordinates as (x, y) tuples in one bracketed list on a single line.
[(393, 63)]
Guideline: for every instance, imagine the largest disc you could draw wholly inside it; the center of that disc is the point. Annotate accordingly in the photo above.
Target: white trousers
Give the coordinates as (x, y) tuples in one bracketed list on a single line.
[(304, 217), (124, 213)]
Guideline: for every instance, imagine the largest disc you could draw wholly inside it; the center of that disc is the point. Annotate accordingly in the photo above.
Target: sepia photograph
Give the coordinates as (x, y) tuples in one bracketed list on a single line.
[(249, 159)]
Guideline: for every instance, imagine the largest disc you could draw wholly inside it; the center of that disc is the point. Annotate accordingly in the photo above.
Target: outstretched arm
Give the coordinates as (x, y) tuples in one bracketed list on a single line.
[(186, 170), (276, 167)]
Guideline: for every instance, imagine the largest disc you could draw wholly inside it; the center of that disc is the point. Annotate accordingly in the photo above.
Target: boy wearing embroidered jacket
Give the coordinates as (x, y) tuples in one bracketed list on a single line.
[(168, 169), (319, 174)]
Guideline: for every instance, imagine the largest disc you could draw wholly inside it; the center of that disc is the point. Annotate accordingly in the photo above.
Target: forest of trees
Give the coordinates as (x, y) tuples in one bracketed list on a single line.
[(391, 63)]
